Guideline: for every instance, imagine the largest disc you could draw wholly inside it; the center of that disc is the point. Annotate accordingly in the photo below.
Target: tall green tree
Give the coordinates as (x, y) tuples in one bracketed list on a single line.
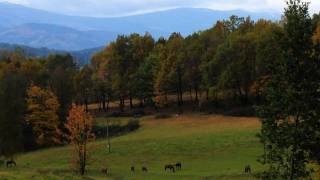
[(12, 109), (290, 114), (83, 86), (170, 74), (61, 70)]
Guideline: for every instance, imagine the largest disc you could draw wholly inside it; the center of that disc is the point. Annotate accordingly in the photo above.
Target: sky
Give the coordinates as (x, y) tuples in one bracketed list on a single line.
[(111, 8)]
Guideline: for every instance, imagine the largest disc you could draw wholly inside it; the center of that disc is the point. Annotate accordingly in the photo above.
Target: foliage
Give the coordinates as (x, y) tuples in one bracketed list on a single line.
[(42, 114), (79, 126), (290, 114), (12, 106), (61, 70)]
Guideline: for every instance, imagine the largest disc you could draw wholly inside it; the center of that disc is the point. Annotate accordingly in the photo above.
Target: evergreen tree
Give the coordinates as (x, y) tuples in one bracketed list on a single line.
[(12, 108)]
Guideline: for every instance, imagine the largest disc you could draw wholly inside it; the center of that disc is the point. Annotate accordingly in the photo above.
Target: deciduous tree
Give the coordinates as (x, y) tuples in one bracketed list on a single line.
[(79, 126), (42, 108)]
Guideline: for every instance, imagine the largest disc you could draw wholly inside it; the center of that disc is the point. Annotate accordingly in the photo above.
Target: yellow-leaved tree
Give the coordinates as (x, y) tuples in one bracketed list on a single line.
[(42, 114), (79, 124)]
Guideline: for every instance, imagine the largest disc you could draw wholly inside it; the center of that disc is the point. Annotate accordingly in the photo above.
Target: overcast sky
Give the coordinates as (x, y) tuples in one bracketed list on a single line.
[(104, 8)]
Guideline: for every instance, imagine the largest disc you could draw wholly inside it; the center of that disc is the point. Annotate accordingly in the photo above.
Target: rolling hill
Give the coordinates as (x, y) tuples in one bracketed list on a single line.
[(55, 37), (38, 28), (82, 57)]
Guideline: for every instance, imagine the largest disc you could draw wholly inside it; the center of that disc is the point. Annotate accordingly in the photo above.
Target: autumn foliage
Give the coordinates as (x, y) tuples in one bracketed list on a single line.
[(42, 114), (79, 126)]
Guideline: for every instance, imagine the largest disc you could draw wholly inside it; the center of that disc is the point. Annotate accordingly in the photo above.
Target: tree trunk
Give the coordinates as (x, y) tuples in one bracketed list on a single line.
[(207, 94), (197, 98), (108, 101), (190, 91), (86, 104), (121, 107), (108, 137), (131, 104), (104, 102)]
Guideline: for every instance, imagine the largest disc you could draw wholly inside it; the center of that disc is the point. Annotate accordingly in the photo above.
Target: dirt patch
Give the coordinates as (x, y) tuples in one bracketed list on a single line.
[(205, 120)]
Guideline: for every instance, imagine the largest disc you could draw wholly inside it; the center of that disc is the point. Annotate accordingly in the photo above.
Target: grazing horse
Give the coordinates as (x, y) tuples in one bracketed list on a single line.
[(247, 169), (11, 163), (144, 169), (170, 167), (178, 166), (132, 168), (105, 171)]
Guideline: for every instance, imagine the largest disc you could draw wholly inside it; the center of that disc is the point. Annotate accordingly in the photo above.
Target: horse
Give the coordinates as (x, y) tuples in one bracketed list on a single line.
[(247, 169), (178, 165), (132, 168), (105, 171), (144, 169), (170, 167), (11, 163)]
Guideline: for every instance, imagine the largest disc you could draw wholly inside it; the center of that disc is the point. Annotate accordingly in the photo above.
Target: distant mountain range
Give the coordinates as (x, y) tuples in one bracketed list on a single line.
[(42, 29), (54, 36), (81, 57)]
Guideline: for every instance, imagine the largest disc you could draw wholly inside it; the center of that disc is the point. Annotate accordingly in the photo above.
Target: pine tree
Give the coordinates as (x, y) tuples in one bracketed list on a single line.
[(12, 107)]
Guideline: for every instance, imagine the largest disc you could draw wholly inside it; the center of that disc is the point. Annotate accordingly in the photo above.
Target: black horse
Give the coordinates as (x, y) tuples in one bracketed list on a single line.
[(144, 169), (178, 166), (247, 169), (11, 164), (170, 167), (132, 168)]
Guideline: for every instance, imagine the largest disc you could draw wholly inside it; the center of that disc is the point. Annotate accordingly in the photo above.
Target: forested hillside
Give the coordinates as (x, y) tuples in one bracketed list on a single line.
[(263, 68)]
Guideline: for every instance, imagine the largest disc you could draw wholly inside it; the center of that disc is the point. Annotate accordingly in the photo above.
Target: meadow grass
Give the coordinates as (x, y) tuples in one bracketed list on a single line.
[(209, 147)]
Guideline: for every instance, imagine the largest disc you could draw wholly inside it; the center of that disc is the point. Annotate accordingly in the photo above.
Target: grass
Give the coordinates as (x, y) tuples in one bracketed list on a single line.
[(209, 147)]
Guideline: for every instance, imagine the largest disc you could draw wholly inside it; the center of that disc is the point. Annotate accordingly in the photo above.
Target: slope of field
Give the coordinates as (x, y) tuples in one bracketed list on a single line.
[(209, 147)]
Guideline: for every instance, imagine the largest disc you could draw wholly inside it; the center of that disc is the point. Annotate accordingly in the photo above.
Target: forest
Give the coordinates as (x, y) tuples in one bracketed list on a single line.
[(264, 68)]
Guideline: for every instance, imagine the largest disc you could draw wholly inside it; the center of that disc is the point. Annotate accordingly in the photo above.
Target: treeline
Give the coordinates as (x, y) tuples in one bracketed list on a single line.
[(35, 97), (225, 64), (237, 61)]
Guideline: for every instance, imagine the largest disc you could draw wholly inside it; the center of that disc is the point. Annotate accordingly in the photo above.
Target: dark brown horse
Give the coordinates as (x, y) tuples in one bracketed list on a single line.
[(105, 171), (247, 169), (178, 166), (11, 163), (144, 169), (170, 167)]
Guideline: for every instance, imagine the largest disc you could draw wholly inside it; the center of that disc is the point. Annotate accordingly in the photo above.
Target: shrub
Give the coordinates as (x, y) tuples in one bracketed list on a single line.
[(133, 125), (162, 116)]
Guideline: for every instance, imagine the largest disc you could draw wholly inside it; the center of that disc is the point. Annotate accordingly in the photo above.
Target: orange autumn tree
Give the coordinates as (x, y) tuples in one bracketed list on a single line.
[(79, 125), (42, 114)]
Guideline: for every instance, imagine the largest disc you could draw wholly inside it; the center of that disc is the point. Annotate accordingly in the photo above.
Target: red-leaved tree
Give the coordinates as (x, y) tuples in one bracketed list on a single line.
[(79, 126)]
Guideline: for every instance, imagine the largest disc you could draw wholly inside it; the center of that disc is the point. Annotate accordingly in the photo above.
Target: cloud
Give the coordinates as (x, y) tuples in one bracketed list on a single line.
[(127, 7)]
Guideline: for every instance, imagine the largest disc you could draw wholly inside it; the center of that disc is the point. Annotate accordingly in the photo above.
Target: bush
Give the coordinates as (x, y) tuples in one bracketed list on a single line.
[(133, 125), (138, 114), (163, 116), (116, 129)]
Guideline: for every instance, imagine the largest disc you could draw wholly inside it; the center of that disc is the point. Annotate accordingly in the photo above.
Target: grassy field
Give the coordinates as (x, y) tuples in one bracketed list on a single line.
[(209, 147)]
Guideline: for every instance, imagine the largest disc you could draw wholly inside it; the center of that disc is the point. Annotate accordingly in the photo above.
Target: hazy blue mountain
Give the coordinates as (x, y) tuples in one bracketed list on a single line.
[(81, 57), (55, 37), (189, 20), (184, 19), (37, 28)]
